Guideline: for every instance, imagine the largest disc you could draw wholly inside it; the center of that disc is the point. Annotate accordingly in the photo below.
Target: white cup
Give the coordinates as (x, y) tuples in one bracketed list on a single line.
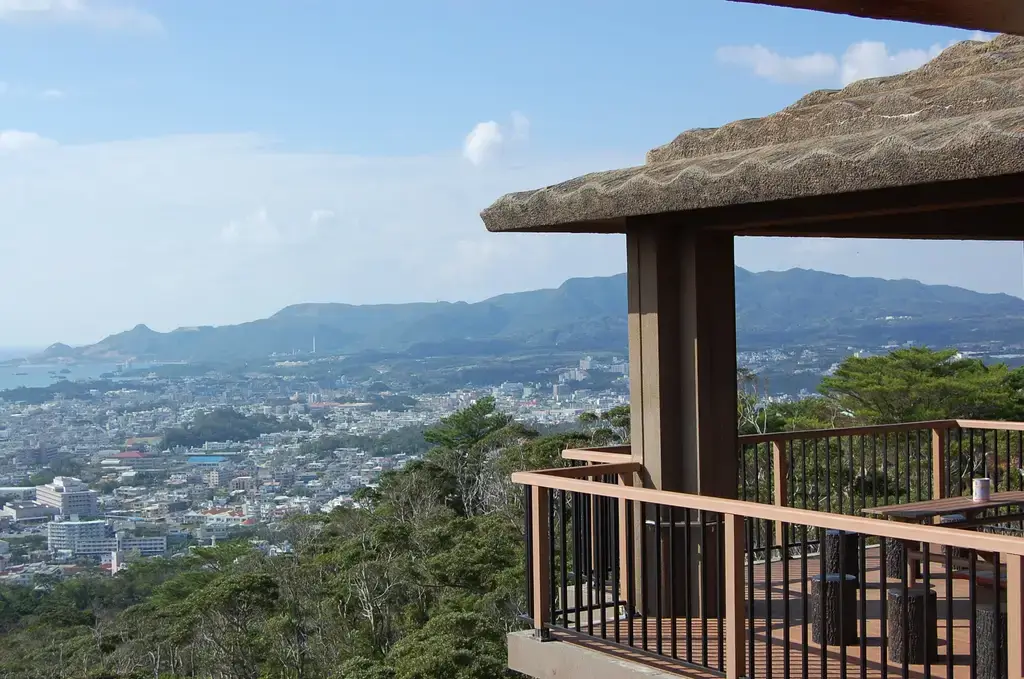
[(982, 490)]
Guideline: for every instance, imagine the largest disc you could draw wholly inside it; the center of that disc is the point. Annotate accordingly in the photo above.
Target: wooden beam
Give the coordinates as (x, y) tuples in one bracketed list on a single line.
[(998, 16), (594, 469), (636, 347), (867, 430), (938, 462), (987, 222), (735, 598), (539, 558), (625, 586), (780, 475)]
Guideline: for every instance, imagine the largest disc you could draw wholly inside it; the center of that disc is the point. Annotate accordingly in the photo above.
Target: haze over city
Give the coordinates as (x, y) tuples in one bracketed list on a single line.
[(184, 164)]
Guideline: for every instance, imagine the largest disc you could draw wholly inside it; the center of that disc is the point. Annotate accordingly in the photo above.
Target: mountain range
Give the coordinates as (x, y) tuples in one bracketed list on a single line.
[(798, 307)]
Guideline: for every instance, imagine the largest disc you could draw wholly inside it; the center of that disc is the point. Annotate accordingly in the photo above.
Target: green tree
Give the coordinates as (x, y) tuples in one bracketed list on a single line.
[(918, 384)]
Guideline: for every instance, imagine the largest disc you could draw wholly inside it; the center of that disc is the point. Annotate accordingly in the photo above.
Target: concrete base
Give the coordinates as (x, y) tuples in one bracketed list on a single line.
[(560, 660)]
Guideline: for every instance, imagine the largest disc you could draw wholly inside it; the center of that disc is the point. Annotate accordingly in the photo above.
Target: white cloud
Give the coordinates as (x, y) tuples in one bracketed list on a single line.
[(872, 59), (487, 139), (773, 66), (865, 59), (17, 140), (52, 93), (103, 14), (482, 142), (233, 228)]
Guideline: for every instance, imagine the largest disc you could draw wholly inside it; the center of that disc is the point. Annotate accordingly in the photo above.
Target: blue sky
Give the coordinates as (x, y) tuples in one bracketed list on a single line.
[(194, 162)]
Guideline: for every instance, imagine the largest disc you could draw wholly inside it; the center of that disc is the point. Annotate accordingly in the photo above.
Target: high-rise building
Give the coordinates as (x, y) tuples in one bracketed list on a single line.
[(69, 495)]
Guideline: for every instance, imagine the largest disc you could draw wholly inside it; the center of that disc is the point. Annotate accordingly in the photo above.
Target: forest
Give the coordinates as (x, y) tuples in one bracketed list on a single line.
[(227, 424), (424, 576)]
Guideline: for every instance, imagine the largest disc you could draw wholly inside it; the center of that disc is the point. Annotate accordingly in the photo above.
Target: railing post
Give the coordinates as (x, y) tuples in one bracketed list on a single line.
[(1014, 616), (624, 584), (735, 598), (938, 462), (540, 505), (780, 468)]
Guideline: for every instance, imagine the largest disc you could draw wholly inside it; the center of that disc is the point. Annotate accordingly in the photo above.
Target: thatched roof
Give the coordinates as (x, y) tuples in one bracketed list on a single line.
[(960, 116)]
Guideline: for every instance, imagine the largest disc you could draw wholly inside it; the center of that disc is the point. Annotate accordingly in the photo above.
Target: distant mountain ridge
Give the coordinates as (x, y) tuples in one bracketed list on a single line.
[(795, 307)]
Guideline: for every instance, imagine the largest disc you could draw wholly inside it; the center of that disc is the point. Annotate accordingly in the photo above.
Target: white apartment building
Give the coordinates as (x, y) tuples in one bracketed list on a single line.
[(215, 478), (76, 536), (94, 538), (69, 495)]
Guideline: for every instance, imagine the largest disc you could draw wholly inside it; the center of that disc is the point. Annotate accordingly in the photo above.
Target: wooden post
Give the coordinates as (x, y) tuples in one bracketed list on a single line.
[(735, 598), (938, 463), (1014, 616), (780, 467), (624, 584), (682, 351), (540, 554)]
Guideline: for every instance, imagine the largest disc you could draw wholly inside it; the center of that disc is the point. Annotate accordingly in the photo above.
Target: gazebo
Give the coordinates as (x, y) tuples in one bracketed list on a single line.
[(935, 153)]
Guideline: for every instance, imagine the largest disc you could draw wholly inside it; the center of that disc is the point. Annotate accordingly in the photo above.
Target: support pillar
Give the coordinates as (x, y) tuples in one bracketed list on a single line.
[(682, 347)]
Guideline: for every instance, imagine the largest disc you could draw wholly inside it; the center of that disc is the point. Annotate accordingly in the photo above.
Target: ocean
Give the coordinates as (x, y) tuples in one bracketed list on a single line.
[(14, 376)]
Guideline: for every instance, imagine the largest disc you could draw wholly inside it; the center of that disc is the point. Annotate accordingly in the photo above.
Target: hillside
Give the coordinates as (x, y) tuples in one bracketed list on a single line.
[(796, 307)]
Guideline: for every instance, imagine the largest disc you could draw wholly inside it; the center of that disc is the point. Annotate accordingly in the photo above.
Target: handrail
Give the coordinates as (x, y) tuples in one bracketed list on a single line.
[(601, 455), (869, 429), (865, 430), (990, 424), (594, 470), (555, 480)]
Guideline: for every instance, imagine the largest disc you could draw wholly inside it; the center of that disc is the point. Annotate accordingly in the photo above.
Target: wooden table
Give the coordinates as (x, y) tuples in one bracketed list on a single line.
[(927, 511)]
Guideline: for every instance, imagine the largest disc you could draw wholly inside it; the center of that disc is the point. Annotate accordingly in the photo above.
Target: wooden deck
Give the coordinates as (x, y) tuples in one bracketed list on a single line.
[(779, 652)]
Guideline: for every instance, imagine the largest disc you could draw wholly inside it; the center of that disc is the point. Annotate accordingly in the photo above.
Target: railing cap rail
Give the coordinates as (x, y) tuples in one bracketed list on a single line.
[(556, 479), (875, 429)]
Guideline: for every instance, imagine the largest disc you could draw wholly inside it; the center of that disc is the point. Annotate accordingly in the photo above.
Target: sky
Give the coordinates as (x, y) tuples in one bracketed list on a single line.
[(197, 162)]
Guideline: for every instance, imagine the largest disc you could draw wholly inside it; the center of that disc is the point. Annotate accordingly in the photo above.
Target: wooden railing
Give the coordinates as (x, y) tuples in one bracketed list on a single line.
[(612, 561), (844, 470)]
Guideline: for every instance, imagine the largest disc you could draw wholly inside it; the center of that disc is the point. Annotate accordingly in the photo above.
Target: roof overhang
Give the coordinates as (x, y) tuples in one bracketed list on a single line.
[(997, 16), (937, 152)]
